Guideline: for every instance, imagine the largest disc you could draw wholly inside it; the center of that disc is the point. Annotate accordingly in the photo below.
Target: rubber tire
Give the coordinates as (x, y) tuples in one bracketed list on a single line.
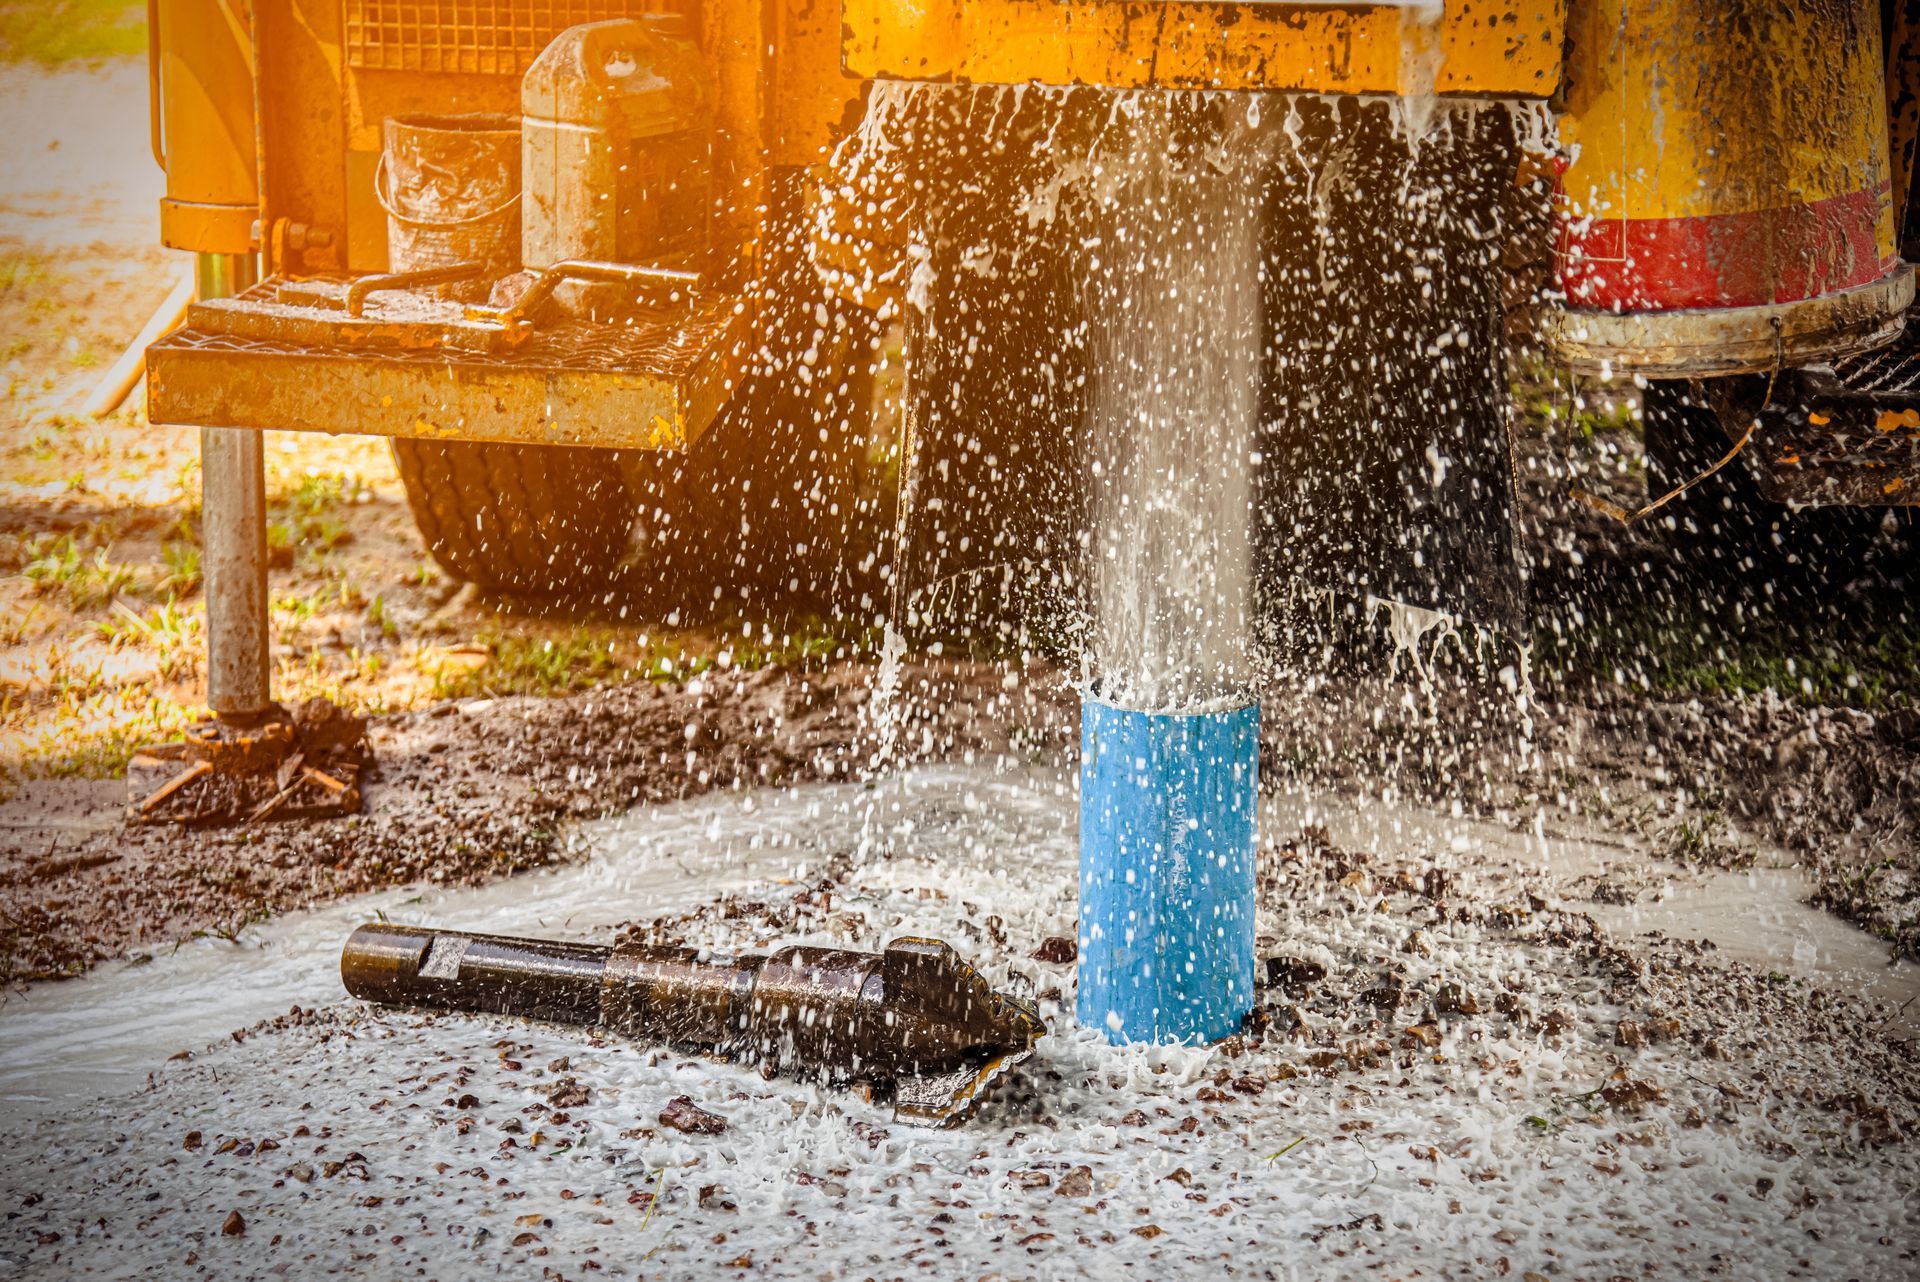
[(781, 469), (518, 518)]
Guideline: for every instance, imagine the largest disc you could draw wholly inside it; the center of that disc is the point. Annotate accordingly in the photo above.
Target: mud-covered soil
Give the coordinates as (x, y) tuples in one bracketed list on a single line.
[(463, 792), (468, 791), (1719, 712), (1722, 782), (1452, 1072)]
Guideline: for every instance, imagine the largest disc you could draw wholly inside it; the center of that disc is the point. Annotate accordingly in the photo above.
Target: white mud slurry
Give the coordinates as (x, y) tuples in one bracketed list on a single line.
[(1757, 1135)]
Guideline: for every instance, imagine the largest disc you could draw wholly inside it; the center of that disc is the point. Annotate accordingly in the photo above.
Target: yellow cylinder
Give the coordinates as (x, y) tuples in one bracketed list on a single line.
[(200, 74), (1726, 198)]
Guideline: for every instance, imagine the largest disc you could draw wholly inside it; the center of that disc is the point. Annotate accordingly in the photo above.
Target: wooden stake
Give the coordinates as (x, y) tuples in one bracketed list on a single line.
[(198, 770)]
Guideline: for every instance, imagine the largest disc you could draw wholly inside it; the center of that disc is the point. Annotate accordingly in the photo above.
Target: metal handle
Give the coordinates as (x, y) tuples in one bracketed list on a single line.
[(386, 203), (588, 269), (358, 291)]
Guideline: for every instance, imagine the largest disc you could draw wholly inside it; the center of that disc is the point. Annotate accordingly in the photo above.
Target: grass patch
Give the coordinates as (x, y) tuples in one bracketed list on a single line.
[(59, 31), (89, 737), (182, 567), (1815, 661), (1705, 838), (511, 663), (500, 663), (1546, 400), (171, 632), (87, 577), (309, 516), (1882, 675)]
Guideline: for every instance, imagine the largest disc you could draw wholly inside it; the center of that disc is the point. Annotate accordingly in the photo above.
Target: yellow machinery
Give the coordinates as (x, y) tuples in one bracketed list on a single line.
[(691, 306), (1701, 213)]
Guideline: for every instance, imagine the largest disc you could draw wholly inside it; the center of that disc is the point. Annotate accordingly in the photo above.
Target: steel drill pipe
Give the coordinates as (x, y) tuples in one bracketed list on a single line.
[(914, 1023)]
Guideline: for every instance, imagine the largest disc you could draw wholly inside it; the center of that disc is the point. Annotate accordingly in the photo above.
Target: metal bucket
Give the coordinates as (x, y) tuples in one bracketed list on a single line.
[(451, 189)]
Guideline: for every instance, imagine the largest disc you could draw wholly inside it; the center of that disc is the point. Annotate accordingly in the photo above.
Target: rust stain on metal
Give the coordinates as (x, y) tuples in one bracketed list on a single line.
[(293, 357), (1475, 46)]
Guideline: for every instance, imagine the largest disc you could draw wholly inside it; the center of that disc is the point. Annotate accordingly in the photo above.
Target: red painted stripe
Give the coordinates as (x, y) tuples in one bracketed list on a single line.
[(1723, 260)]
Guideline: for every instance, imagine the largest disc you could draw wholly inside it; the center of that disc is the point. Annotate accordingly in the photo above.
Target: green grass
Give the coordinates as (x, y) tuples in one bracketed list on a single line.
[(58, 31), (182, 560), (1546, 401), (103, 754), (60, 563), (1873, 679), (1706, 838), (584, 658), (309, 517), (379, 617), (292, 610), (172, 633), (1825, 659), (531, 665)]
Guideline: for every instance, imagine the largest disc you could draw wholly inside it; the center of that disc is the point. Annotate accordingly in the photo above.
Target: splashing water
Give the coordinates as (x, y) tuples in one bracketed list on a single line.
[(1172, 290), (883, 711), (1408, 627), (1162, 357)]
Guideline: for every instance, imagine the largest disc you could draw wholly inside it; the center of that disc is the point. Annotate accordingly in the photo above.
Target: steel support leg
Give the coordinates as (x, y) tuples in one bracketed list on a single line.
[(233, 556)]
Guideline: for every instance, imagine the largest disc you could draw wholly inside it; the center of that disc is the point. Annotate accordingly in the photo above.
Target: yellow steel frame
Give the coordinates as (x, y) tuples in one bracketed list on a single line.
[(1505, 48), (200, 109)]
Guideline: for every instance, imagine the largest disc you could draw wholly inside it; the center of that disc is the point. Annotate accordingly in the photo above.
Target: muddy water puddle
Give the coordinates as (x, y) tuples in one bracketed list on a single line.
[(101, 1035), (1759, 916)]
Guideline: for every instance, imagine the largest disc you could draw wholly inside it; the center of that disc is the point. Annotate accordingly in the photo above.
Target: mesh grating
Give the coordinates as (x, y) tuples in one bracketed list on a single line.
[(1893, 370), (481, 37), (584, 349)]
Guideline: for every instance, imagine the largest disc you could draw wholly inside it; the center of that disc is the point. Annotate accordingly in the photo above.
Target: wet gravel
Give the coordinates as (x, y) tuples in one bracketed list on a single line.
[(1456, 1076)]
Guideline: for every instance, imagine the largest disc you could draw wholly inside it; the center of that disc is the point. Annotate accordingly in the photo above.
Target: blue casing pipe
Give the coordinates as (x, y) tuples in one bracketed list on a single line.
[(1167, 829)]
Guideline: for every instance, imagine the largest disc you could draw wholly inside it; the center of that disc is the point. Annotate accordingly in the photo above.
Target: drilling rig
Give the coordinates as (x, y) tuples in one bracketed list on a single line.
[(601, 272)]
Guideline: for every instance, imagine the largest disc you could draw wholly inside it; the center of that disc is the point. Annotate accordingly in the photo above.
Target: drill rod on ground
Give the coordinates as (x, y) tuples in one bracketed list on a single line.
[(914, 1023)]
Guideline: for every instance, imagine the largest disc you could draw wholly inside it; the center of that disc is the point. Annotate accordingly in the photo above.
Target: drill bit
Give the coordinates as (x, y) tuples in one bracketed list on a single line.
[(914, 1023)]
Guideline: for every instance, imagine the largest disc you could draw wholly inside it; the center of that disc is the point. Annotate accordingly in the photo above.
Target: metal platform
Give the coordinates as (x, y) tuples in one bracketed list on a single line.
[(655, 380)]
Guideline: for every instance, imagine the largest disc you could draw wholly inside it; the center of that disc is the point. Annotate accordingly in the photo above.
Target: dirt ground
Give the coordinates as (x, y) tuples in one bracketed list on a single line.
[(1720, 732), (469, 790), (1454, 1069)]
